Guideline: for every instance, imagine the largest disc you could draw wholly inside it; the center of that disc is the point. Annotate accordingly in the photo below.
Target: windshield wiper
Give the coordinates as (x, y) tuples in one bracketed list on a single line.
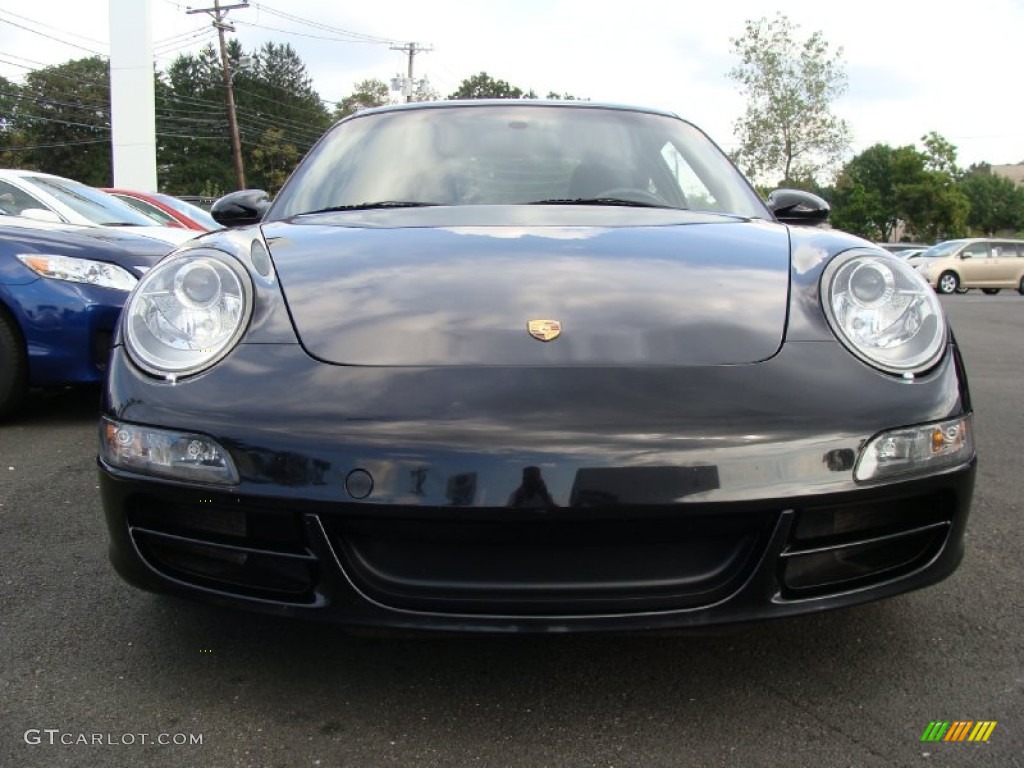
[(372, 206), (600, 201)]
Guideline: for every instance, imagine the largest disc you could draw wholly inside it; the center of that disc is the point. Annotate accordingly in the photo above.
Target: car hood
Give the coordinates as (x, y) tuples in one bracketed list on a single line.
[(682, 290), (172, 235), (135, 253)]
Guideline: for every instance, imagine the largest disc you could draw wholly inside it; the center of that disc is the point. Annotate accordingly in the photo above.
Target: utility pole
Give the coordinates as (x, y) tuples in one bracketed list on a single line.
[(218, 13), (412, 49)]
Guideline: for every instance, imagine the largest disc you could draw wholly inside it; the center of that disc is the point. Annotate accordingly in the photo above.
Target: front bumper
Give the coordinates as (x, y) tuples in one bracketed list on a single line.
[(68, 328), (504, 570), (515, 500)]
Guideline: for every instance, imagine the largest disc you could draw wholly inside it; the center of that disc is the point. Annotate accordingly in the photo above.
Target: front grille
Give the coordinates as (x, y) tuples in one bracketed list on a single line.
[(218, 545), (843, 547), (551, 566)]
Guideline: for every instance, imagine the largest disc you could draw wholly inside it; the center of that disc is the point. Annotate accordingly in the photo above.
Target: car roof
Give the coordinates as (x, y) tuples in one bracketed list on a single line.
[(24, 172), (562, 104)]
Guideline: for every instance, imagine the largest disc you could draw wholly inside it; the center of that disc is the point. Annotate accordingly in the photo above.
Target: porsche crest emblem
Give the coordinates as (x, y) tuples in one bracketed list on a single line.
[(544, 330)]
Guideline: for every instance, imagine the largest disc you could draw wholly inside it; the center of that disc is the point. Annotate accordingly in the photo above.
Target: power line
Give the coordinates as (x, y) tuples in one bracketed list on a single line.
[(320, 25), (24, 147), (298, 131), (168, 116), (173, 49), (305, 34), (58, 29), (51, 37), (169, 40)]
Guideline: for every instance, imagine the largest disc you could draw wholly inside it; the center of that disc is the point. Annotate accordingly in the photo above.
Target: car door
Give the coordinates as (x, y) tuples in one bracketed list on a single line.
[(1005, 264), (15, 201), (975, 265)]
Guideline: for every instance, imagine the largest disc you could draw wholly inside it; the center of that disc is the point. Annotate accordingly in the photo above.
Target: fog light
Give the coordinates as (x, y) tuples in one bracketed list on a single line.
[(917, 450), (179, 455)]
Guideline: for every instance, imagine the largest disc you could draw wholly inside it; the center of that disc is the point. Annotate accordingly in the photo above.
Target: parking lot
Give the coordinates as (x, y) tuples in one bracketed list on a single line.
[(99, 674)]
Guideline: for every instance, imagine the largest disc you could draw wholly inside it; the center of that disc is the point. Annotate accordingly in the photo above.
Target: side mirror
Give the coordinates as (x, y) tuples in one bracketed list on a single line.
[(964, 256), (794, 206), (241, 208)]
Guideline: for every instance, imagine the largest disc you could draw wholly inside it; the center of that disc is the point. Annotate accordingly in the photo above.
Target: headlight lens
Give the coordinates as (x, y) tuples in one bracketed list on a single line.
[(917, 450), (76, 270), (187, 313), (180, 455), (884, 311)]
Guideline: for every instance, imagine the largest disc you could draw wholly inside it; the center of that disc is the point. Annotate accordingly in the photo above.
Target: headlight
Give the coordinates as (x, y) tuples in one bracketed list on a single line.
[(884, 312), (917, 450), (181, 455), (187, 313), (76, 270)]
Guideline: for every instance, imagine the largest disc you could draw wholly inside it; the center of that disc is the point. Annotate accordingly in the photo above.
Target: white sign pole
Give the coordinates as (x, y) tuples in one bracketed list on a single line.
[(132, 100)]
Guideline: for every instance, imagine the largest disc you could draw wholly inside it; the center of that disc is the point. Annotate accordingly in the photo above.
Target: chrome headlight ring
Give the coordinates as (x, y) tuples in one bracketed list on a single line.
[(884, 312), (187, 313)]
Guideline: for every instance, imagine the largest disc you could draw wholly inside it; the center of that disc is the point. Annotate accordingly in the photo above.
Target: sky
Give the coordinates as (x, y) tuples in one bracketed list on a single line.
[(912, 66)]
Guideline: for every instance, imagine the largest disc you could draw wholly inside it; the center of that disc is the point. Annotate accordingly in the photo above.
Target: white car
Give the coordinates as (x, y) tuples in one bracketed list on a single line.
[(45, 197)]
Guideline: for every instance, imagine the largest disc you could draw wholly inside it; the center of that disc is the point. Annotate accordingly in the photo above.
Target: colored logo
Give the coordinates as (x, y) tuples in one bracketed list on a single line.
[(958, 730), (544, 330)]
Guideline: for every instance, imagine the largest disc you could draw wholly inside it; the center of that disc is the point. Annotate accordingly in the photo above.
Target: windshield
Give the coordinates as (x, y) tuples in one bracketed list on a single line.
[(516, 154), (98, 207), (942, 249), (194, 212), (148, 209)]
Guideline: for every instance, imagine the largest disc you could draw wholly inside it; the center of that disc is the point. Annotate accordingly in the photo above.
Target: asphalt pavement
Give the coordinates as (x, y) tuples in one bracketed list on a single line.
[(96, 673)]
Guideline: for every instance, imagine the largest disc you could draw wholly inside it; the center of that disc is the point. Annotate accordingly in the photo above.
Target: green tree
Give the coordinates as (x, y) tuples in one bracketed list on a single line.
[(553, 96), (9, 98), (789, 84), (193, 143), (996, 202), (365, 94), (867, 199), (12, 138), (273, 160), (940, 155), (483, 86), (934, 207), (275, 92), (883, 187), (272, 91), (64, 118)]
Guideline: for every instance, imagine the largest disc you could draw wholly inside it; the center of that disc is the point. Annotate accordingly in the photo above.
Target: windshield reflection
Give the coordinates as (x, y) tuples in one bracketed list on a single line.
[(512, 154)]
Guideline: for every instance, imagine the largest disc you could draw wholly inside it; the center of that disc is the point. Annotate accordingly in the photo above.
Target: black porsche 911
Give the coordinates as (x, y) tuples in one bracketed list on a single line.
[(528, 366)]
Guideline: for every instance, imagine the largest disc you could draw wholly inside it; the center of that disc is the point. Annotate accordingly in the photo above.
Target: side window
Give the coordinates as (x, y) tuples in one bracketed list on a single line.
[(975, 251), (1006, 250), (697, 195), (13, 201)]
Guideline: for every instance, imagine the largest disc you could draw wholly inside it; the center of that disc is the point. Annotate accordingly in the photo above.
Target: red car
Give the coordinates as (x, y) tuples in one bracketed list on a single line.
[(166, 209)]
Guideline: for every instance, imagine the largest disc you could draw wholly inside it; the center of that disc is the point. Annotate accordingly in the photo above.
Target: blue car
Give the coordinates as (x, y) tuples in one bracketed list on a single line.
[(61, 293)]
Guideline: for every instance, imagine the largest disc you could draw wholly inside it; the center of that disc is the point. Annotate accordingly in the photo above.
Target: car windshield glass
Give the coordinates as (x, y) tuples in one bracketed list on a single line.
[(194, 212), (942, 249), (516, 154), (98, 207), (147, 209)]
